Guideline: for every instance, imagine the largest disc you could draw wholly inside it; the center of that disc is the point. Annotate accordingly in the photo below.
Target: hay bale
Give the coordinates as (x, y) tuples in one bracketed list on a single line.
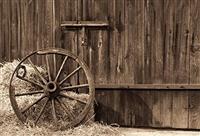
[(5, 73), (7, 70)]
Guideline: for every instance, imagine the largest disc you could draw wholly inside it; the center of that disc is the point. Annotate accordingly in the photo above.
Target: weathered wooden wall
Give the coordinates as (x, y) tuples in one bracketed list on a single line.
[(149, 41), (25, 25)]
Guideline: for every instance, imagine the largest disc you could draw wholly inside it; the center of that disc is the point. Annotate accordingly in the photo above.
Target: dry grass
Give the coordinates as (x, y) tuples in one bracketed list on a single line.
[(9, 124)]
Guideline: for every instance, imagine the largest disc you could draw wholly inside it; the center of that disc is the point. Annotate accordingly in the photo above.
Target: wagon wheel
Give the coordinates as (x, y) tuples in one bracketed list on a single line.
[(50, 90)]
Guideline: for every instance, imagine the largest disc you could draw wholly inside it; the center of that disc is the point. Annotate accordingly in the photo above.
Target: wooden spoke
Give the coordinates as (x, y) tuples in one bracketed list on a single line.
[(37, 71), (71, 74), (41, 111), (30, 93), (35, 102), (48, 67), (75, 87), (72, 98), (32, 82), (54, 110), (66, 109), (54, 65), (61, 67)]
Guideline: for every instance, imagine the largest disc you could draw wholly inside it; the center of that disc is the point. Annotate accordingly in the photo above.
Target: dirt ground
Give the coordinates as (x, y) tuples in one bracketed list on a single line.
[(155, 132)]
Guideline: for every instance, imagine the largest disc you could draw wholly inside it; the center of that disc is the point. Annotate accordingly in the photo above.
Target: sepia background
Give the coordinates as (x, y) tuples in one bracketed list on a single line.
[(154, 42)]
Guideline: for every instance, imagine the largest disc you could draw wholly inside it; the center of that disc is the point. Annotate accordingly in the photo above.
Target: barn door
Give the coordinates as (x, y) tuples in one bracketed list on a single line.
[(84, 31)]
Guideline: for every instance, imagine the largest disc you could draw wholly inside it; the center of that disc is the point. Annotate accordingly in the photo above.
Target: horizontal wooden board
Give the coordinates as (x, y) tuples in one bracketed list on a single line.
[(149, 86)]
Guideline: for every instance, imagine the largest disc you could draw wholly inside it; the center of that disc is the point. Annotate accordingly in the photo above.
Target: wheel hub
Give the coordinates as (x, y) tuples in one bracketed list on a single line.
[(52, 90), (51, 87)]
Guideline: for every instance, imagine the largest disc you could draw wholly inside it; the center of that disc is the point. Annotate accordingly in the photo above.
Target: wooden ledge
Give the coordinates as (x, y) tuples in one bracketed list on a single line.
[(84, 24), (149, 86)]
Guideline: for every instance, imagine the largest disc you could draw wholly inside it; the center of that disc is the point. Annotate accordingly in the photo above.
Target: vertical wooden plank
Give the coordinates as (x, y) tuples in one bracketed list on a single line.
[(147, 45), (116, 49), (157, 40), (49, 22), (55, 25), (181, 60), (7, 24), (66, 10), (154, 41), (116, 40), (130, 27), (156, 109), (112, 36), (143, 108), (161, 110), (153, 54), (134, 59), (113, 98), (39, 21), (57, 32), (119, 41), (84, 49), (55, 36), (114, 70), (114, 102), (13, 38), (101, 107), (147, 97), (180, 110), (67, 13), (1, 31), (148, 67), (168, 62), (194, 104), (166, 108), (19, 28), (23, 36), (98, 42), (195, 54), (194, 110), (29, 36), (42, 24), (137, 40), (181, 49), (101, 12), (35, 26), (99, 46)]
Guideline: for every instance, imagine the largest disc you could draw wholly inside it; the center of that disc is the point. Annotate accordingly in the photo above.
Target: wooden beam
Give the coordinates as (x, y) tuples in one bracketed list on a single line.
[(149, 86), (84, 24)]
